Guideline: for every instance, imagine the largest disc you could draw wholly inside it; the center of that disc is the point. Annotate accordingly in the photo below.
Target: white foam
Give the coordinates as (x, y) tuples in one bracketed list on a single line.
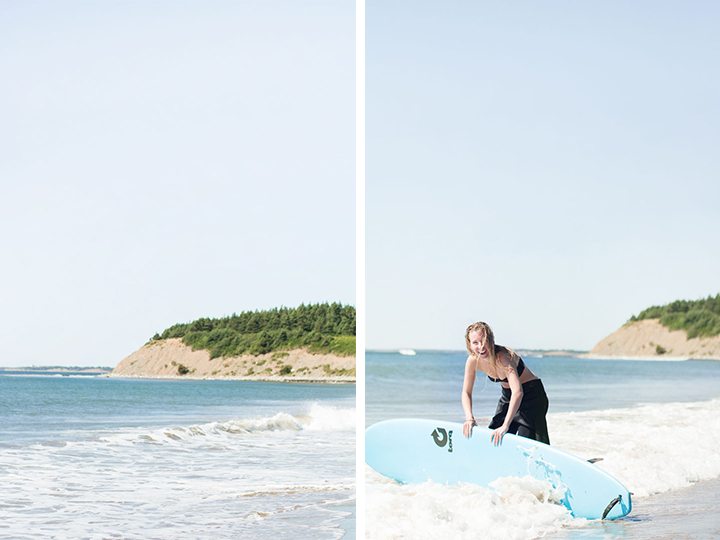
[(510, 509), (650, 449)]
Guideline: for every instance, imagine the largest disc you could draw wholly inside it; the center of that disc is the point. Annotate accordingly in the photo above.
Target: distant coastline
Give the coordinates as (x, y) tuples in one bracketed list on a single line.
[(698, 350), (173, 359), (100, 370), (521, 351), (309, 343)]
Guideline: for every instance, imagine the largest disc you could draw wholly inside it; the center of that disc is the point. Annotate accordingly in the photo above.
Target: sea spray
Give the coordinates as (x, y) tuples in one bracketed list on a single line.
[(328, 418)]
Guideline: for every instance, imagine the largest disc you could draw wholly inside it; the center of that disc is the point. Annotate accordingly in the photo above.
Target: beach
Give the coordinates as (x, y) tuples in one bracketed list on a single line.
[(173, 359), (655, 425), (650, 339), (98, 457)]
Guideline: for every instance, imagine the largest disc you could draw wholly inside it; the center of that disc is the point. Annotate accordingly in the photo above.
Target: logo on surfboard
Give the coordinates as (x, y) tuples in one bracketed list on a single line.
[(442, 438)]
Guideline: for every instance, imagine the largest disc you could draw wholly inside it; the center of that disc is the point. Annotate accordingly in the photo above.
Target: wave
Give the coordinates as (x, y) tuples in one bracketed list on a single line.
[(650, 448), (318, 418), (289, 466)]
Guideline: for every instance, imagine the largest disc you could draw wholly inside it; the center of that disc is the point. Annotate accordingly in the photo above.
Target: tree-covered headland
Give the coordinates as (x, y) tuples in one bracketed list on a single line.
[(321, 328), (699, 318)]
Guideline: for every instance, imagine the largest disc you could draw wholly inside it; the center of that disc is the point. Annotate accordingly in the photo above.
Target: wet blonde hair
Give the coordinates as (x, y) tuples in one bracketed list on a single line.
[(488, 338)]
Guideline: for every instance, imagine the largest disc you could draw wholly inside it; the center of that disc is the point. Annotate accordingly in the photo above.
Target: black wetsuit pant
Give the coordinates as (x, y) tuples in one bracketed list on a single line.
[(529, 421)]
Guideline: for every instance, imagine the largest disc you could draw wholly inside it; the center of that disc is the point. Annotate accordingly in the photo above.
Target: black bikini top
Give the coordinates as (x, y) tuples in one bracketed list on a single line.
[(520, 369)]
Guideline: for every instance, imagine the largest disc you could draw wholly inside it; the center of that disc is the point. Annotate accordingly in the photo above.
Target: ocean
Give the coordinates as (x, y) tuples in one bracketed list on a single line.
[(96, 457), (655, 424)]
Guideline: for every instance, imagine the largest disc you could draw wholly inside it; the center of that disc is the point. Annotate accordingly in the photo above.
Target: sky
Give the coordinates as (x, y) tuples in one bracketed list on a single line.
[(550, 168), (164, 161)]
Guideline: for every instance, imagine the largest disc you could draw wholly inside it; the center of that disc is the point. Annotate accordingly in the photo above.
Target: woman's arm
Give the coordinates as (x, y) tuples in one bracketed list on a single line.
[(515, 400), (466, 397)]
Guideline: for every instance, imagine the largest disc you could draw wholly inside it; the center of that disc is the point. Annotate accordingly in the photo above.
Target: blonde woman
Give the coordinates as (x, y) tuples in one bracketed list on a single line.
[(523, 404)]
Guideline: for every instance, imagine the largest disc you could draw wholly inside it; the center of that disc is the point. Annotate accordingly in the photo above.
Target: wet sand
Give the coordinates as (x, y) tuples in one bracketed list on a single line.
[(689, 513)]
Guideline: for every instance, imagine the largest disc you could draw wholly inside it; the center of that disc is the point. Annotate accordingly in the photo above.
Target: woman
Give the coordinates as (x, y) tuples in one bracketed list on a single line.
[(523, 404)]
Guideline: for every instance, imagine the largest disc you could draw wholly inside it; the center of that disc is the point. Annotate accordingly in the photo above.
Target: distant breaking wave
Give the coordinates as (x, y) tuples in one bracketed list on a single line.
[(318, 418)]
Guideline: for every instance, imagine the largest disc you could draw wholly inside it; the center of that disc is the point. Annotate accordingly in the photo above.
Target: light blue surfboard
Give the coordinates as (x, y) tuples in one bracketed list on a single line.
[(413, 451)]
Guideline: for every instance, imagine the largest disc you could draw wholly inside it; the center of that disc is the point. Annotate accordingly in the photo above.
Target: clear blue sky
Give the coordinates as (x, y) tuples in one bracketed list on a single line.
[(163, 161), (549, 167)]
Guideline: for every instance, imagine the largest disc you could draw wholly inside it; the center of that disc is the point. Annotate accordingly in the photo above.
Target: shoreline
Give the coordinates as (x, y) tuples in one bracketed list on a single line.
[(683, 513), (663, 358), (313, 380)]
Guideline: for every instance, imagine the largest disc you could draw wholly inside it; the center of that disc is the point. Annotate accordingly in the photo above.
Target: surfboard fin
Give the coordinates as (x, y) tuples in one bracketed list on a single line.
[(610, 506), (594, 460)]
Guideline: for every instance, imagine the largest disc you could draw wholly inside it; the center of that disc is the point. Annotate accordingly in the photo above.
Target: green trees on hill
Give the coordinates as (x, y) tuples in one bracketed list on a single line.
[(322, 328), (699, 318)]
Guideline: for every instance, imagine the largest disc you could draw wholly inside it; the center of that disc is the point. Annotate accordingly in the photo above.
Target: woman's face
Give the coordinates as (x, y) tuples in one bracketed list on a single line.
[(478, 344)]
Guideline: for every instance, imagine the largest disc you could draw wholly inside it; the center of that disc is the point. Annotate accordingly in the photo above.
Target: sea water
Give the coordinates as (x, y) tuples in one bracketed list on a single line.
[(655, 424), (97, 457)]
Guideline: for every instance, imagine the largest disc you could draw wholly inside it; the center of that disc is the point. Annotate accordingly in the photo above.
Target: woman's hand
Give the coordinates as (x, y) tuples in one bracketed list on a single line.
[(467, 427), (498, 434)]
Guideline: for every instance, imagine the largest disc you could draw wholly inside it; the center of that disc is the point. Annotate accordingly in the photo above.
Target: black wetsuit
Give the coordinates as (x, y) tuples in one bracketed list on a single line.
[(529, 421)]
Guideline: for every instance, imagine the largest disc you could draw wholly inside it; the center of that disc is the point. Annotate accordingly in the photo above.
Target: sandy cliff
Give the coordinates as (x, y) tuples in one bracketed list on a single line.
[(649, 338), (170, 358)]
